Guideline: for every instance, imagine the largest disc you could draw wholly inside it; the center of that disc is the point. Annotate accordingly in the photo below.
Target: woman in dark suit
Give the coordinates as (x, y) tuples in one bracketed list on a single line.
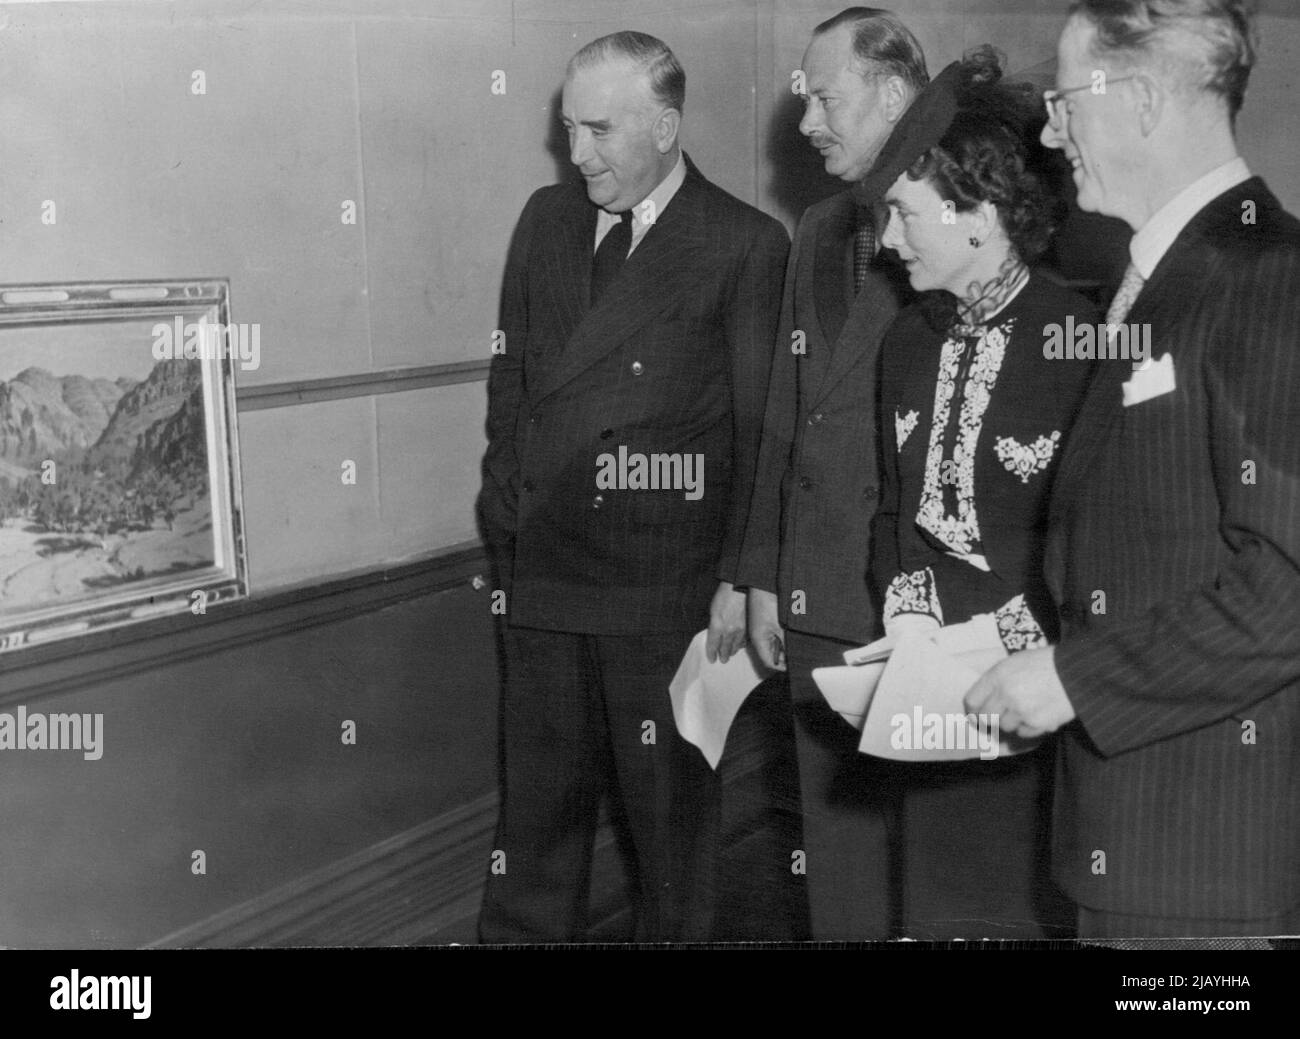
[(974, 416)]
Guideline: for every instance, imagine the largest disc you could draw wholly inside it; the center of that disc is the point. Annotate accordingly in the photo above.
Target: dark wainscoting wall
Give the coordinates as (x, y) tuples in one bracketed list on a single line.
[(224, 734)]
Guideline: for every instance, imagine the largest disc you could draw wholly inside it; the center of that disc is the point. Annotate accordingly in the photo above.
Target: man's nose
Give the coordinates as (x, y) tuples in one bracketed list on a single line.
[(889, 237), (812, 120), (1051, 136), (579, 147)]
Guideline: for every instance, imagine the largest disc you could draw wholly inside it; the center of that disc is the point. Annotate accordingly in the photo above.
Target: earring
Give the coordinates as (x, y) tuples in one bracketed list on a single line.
[(974, 241)]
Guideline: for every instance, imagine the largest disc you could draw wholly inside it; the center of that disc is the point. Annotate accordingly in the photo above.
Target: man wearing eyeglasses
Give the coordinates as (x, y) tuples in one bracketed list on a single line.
[(1174, 549)]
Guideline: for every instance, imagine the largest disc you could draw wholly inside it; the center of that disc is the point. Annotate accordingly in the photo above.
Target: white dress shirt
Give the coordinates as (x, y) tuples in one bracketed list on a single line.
[(1150, 244), (645, 212)]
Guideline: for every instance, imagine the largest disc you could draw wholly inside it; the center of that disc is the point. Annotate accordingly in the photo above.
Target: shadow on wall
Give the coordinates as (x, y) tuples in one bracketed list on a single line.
[(557, 141), (798, 176), (1086, 247)]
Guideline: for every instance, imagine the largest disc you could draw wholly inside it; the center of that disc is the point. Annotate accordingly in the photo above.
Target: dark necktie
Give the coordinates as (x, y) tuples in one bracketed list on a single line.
[(610, 256), (864, 247)]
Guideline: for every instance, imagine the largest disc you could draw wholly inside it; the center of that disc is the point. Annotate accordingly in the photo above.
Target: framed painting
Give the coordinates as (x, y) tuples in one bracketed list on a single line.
[(119, 462)]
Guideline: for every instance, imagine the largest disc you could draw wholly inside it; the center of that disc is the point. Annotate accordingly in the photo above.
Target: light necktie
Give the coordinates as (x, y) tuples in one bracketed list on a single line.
[(864, 247), (1129, 287), (610, 255)]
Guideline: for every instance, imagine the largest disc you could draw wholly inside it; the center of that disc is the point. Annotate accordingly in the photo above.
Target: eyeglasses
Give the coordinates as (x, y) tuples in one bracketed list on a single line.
[(1056, 111)]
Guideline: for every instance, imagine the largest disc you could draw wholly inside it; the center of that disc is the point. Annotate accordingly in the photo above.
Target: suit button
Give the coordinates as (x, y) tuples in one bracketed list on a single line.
[(528, 486), (605, 434), (870, 492), (804, 482), (637, 367), (535, 418), (598, 501), (814, 418)]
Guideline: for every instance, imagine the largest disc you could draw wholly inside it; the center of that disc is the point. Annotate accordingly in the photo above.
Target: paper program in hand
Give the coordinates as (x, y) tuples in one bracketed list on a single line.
[(707, 696), (918, 712)]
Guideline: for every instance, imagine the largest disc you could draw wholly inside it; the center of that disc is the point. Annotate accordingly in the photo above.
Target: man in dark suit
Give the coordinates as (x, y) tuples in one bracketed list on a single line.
[(624, 420), (1174, 548), (806, 542)]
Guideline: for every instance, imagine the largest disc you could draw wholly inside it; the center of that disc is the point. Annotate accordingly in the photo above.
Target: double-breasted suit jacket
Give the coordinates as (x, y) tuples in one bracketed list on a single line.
[(818, 474), (673, 360), (1174, 557)]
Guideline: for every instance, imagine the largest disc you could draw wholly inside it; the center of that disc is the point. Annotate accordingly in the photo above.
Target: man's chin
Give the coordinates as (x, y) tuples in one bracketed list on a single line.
[(1084, 196)]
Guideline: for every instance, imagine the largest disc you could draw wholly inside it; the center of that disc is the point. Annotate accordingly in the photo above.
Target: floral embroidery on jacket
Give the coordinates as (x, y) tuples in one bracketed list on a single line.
[(961, 533), (913, 593), (1026, 459), (1017, 627), (903, 426)]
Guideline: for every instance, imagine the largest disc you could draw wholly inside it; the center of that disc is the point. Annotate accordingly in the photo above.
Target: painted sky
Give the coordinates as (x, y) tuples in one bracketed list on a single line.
[(101, 349)]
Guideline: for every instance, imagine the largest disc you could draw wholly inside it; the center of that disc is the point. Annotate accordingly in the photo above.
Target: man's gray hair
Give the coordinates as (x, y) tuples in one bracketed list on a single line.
[(883, 42), (1209, 44), (652, 55)]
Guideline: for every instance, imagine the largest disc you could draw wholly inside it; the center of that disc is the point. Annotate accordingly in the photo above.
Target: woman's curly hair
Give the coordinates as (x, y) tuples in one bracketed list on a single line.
[(991, 153)]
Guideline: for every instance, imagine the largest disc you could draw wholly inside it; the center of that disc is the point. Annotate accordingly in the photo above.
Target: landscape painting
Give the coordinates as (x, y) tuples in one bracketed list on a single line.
[(119, 496)]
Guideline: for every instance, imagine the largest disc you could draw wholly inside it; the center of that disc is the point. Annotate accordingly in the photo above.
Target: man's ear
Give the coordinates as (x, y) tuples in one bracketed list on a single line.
[(665, 129), (1149, 100), (897, 96)]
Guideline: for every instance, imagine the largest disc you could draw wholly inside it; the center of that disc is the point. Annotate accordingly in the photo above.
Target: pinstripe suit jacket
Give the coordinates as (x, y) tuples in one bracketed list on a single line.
[(1183, 766), (673, 359), (818, 474)]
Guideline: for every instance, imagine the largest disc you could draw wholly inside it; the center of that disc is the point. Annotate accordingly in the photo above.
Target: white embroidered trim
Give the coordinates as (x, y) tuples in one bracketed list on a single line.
[(903, 426), (1017, 627), (962, 532), (913, 593), (1026, 459)]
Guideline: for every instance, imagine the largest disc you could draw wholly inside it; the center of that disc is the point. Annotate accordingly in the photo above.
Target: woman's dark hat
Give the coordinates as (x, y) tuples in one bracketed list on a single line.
[(919, 129)]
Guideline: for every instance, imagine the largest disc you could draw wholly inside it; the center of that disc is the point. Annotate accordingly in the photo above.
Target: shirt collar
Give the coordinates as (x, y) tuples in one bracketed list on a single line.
[(1149, 245), (645, 212)]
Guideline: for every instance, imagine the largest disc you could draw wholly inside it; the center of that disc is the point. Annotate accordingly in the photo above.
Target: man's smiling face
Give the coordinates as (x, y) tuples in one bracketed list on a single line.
[(609, 113), (1092, 129)]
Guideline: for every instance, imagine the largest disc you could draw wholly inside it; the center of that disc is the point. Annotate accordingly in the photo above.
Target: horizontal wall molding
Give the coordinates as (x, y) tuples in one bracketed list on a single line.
[(419, 886), (397, 892), (362, 384), (105, 656), (413, 888)]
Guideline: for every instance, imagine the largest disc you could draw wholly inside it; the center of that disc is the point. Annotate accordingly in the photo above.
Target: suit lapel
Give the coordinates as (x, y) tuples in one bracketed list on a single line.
[(829, 300), (1160, 303), (569, 254), (870, 313), (661, 268)]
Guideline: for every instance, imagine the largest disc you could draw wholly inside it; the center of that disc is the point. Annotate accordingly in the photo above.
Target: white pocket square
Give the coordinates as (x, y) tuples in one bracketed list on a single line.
[(1153, 379)]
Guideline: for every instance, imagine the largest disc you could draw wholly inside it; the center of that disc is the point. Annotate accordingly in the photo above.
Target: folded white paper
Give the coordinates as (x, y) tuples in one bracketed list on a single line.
[(706, 696), (917, 712), (849, 689)]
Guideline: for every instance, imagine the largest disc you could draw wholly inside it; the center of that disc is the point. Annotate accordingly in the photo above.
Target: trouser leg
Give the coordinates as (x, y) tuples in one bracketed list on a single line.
[(848, 802), (668, 793), (555, 773)]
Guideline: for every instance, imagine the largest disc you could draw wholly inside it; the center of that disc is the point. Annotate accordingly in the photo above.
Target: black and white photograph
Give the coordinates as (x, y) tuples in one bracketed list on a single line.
[(735, 474)]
